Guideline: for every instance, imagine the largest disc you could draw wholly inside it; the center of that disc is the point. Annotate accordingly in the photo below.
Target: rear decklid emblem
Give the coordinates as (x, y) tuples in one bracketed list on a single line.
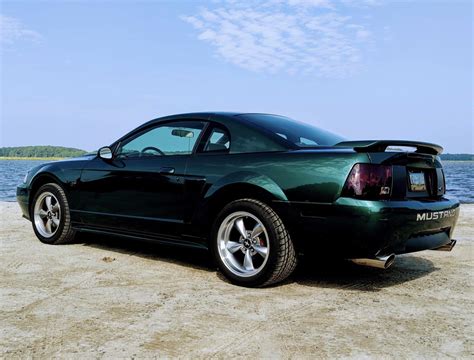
[(435, 215)]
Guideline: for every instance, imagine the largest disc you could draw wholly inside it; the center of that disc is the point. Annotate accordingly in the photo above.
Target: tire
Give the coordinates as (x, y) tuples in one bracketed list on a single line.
[(265, 256), (50, 215)]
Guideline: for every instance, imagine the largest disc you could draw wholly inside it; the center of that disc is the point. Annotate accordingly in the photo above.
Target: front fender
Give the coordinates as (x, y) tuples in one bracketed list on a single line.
[(67, 174), (64, 177)]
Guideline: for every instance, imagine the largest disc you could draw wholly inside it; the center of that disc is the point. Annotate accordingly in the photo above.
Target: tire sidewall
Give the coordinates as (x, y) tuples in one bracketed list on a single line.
[(256, 210), (64, 207)]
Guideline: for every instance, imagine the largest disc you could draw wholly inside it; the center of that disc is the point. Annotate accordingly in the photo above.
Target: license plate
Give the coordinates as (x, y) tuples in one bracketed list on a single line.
[(417, 181)]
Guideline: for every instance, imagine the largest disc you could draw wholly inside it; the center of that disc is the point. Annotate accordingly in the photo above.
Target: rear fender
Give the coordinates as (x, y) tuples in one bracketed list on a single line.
[(247, 178), (235, 186)]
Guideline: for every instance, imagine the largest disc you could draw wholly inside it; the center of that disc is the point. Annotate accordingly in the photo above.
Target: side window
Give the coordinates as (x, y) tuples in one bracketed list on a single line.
[(247, 140), (306, 142), (177, 138), (218, 141)]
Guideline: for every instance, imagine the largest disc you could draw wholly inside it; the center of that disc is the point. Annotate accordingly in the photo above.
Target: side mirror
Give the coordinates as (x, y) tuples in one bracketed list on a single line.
[(105, 153)]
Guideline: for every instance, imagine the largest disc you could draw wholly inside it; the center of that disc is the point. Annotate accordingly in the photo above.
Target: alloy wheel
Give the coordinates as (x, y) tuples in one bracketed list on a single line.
[(243, 244), (47, 214)]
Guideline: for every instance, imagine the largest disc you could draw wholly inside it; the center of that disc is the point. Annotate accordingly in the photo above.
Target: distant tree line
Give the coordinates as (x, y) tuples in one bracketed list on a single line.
[(40, 151), (458, 157), (63, 152)]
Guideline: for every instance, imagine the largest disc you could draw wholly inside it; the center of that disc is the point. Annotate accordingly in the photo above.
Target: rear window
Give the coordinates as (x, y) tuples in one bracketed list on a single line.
[(297, 133)]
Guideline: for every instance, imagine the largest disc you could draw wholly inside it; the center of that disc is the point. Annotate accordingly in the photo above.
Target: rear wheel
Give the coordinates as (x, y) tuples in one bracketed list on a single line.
[(251, 245), (50, 215)]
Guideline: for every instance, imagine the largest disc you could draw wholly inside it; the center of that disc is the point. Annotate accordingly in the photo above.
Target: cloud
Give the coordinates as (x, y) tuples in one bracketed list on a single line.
[(311, 3), (293, 36), (362, 3), (12, 30)]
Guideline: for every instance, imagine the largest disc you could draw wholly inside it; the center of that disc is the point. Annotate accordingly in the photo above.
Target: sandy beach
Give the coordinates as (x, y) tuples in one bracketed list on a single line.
[(113, 298)]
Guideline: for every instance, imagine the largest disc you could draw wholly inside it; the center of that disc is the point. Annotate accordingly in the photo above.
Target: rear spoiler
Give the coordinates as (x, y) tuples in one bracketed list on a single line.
[(381, 146)]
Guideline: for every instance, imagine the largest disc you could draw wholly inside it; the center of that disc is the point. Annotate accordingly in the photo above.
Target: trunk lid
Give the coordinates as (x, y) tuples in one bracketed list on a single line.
[(415, 174)]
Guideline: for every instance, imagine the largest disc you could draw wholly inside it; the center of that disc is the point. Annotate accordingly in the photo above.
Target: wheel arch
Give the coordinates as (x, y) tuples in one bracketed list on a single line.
[(246, 179), (239, 186), (235, 191), (40, 180)]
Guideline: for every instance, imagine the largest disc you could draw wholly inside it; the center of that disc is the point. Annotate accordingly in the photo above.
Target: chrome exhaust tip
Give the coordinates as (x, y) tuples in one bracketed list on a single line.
[(447, 247), (380, 262)]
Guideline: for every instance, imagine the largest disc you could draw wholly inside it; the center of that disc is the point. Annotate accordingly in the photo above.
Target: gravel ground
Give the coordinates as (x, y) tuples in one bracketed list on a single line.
[(110, 298)]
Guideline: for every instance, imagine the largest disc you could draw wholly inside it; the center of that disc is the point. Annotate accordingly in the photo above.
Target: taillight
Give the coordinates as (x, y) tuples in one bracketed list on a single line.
[(443, 190), (369, 181)]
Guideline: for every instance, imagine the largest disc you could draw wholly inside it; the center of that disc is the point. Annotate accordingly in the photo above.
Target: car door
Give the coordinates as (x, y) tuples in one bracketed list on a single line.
[(141, 190)]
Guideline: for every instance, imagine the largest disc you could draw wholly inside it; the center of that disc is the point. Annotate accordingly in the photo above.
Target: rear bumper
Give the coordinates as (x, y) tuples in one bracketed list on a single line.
[(22, 197), (359, 228)]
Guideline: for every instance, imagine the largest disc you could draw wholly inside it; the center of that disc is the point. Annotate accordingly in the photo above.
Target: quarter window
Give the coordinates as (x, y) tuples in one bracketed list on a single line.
[(218, 141), (306, 142), (176, 138)]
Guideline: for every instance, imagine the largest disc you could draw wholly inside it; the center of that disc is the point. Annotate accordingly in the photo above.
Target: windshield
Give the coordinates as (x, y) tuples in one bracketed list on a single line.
[(297, 133)]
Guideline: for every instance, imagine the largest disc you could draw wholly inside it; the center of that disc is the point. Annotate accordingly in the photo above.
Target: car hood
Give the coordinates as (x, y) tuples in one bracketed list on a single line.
[(88, 156), (57, 163)]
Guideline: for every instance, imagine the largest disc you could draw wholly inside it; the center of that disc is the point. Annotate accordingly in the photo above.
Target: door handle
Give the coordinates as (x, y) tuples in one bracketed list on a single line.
[(167, 170)]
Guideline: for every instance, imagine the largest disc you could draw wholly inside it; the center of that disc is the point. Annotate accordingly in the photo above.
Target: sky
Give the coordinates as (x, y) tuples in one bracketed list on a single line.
[(83, 73)]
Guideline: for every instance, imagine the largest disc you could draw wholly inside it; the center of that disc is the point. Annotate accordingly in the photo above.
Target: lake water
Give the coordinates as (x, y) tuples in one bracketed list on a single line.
[(459, 178)]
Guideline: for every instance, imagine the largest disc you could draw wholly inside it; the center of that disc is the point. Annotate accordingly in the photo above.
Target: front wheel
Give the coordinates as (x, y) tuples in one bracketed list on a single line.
[(50, 215), (251, 244)]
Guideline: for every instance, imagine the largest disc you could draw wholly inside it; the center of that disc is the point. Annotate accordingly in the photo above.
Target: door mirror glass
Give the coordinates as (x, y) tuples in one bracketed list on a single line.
[(105, 153)]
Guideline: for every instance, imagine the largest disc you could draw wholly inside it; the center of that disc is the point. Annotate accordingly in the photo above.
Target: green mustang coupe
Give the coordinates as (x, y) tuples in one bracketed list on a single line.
[(254, 189)]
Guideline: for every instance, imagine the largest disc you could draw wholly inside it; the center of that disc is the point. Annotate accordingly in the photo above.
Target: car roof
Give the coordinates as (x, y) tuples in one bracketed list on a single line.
[(210, 113), (215, 115), (223, 117)]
